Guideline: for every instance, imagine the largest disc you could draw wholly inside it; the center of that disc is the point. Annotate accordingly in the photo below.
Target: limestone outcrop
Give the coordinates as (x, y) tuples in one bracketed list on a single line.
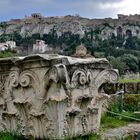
[(52, 96), (74, 24)]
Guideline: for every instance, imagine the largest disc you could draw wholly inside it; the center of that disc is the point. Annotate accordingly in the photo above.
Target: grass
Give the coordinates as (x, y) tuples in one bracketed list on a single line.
[(10, 136), (86, 137), (108, 122), (113, 118), (7, 54), (128, 80)]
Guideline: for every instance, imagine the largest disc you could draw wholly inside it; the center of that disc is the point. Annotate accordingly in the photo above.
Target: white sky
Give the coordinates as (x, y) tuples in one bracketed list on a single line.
[(131, 7), (123, 7), (86, 8)]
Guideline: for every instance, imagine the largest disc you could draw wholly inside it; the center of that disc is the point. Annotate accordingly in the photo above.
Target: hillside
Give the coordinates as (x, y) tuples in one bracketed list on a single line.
[(75, 24), (116, 39)]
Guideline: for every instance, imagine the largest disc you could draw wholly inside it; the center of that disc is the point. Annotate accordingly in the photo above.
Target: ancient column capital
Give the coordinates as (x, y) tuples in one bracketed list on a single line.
[(52, 96)]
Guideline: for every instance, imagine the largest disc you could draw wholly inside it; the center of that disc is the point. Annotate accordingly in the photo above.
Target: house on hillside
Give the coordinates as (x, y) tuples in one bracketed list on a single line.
[(7, 45), (11, 44), (3, 47), (40, 47)]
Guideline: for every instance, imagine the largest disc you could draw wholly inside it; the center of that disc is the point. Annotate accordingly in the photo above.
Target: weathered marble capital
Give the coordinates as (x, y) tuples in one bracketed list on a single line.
[(52, 96)]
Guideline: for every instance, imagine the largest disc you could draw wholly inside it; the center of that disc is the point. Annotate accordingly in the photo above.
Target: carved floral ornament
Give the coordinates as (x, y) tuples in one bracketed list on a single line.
[(23, 79), (59, 73), (81, 77), (73, 108)]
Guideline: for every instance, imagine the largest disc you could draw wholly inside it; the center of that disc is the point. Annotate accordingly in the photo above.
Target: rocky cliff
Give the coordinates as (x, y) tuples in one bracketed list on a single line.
[(74, 24)]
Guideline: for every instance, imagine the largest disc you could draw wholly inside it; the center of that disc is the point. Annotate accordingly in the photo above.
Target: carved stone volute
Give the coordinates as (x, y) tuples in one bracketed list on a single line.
[(106, 76)]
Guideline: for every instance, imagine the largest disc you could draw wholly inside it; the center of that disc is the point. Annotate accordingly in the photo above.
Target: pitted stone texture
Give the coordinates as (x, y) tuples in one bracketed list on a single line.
[(52, 96), (121, 132)]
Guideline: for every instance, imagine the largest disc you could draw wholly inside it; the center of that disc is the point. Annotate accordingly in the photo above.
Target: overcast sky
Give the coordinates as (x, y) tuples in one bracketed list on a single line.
[(10, 9)]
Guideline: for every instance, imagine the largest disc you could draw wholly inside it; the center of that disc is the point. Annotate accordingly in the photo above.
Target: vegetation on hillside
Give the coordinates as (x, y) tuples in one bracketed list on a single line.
[(123, 53), (7, 53)]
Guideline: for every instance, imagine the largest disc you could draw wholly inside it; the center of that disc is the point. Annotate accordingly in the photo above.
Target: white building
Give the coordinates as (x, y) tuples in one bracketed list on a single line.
[(7, 45), (40, 47), (11, 44), (3, 47)]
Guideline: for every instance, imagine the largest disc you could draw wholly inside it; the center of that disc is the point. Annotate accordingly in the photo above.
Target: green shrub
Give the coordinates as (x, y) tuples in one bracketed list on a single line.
[(7, 53), (131, 102), (114, 105)]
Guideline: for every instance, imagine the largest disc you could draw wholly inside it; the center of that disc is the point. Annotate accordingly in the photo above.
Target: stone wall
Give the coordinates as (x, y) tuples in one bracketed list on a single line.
[(52, 96), (130, 88)]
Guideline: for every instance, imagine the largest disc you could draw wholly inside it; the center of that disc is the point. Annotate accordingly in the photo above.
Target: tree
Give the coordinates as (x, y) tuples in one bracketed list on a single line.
[(36, 36), (117, 64), (129, 44), (131, 61)]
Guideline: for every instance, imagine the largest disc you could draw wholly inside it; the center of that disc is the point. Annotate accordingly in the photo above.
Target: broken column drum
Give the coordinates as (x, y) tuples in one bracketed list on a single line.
[(52, 96)]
